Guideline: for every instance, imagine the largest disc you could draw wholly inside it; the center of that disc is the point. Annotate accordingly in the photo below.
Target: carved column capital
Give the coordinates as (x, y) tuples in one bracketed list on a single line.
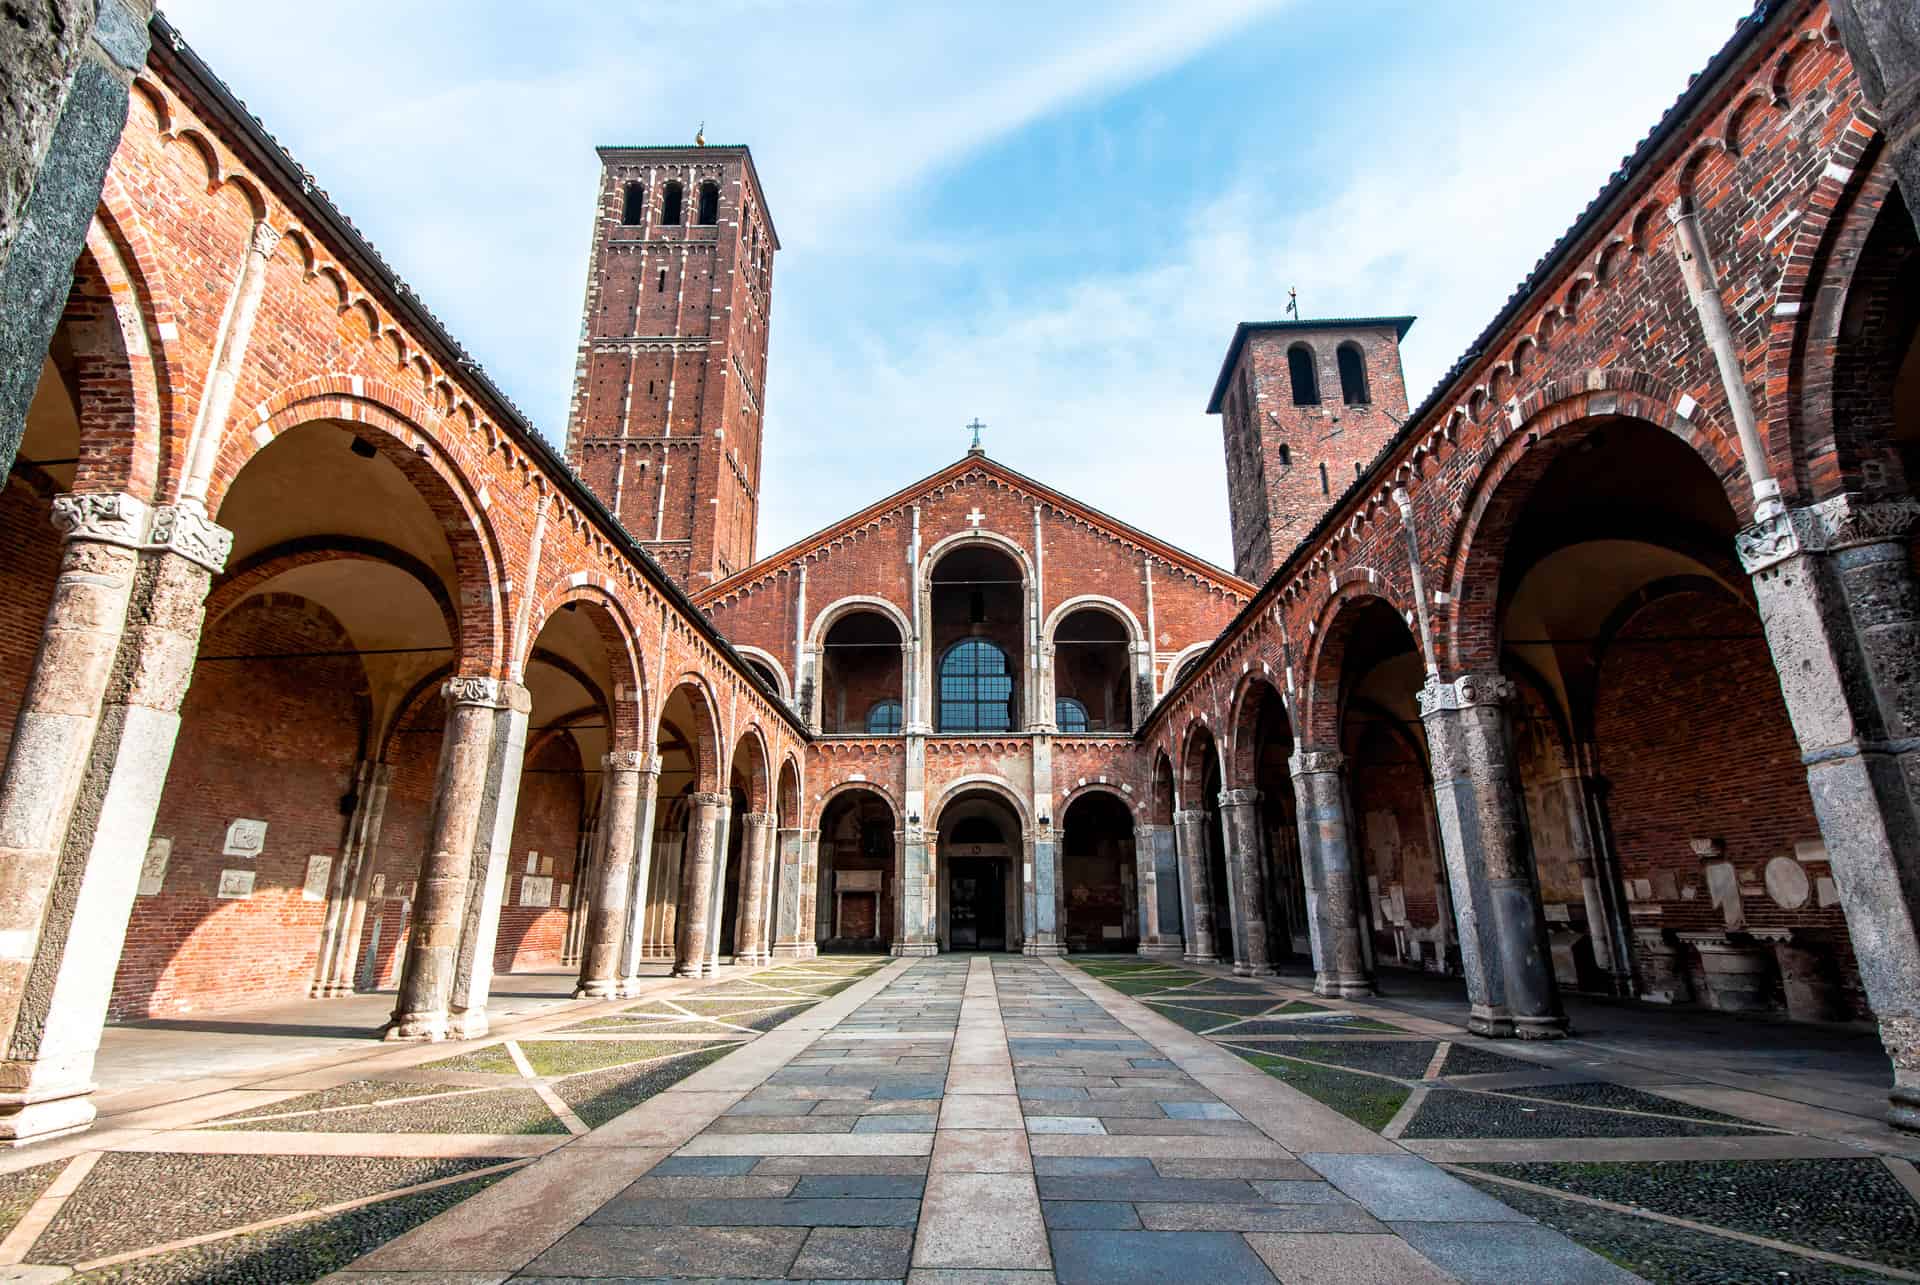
[(185, 529), (111, 518), (710, 798), (1190, 816), (265, 240), (625, 761), (1842, 521), (1239, 798), (1312, 762), (473, 689), (763, 820), (1465, 692)]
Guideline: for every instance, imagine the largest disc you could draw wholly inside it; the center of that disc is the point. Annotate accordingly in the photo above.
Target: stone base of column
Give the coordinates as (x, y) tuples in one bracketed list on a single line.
[(1489, 1024), (913, 949), (1165, 950), (1343, 986), (1250, 970), (631, 988), (598, 988), (1200, 959), (468, 1025), (426, 1027), (686, 970), (1553, 1027), (35, 1116), (1043, 949), (795, 950)]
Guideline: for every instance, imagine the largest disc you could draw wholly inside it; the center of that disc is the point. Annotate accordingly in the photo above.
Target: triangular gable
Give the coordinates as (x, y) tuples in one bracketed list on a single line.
[(1086, 514)]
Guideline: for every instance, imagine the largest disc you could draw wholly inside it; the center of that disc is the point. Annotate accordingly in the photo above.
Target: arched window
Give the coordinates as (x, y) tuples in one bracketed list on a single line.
[(709, 204), (1306, 385), (1070, 715), (1353, 375), (670, 206), (976, 691), (1286, 456), (1326, 487), (760, 667), (633, 205), (884, 719)]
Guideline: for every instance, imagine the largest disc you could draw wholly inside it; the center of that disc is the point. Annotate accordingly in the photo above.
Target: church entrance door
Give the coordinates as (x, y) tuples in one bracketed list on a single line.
[(977, 904)]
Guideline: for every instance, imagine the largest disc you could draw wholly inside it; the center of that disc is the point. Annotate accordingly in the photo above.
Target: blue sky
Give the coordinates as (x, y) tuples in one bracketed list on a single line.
[(1047, 215)]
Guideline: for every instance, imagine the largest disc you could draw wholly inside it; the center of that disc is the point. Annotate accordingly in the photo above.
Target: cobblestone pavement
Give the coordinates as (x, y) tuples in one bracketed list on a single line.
[(295, 1176), (1672, 1176)]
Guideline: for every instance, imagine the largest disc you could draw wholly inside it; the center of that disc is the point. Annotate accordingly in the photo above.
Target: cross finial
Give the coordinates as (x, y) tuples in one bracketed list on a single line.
[(976, 448), (1293, 303), (700, 135)]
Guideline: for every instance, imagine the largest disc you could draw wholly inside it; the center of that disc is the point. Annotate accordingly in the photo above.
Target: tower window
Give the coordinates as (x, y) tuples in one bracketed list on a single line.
[(670, 206), (1286, 456), (709, 204), (1353, 375), (1356, 468), (1306, 386), (662, 287), (633, 205), (1325, 487)]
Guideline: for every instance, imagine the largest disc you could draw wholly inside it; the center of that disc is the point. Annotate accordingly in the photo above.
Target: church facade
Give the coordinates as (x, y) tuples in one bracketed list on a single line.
[(1591, 671)]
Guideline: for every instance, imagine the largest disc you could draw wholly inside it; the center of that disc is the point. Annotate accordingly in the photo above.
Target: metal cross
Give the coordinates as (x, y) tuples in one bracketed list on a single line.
[(976, 426), (976, 517)]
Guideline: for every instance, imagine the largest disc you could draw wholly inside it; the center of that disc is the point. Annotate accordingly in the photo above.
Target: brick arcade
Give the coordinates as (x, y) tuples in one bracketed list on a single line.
[(1591, 672)]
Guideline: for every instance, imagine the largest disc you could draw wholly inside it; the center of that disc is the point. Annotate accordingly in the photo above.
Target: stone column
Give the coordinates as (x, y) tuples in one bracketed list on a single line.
[(810, 892), (717, 902), (696, 883), (423, 1010), (348, 885), (607, 913), (1157, 877), (1043, 905), (756, 856), (71, 948), (1334, 921), (1489, 854), (1196, 885), (487, 871), (1883, 40), (1240, 825), (633, 934), (789, 937), (1841, 613)]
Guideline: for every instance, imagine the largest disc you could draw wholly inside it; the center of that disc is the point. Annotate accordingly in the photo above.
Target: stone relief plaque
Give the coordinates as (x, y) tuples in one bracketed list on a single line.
[(536, 890), (564, 896), (379, 886), (1787, 883), (245, 838), (858, 880), (533, 862), (153, 871), (235, 885), (319, 865)]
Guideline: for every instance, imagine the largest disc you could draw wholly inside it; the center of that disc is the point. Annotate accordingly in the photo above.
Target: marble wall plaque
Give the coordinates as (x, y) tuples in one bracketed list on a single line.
[(235, 885), (1723, 884), (318, 867), (536, 890), (153, 871), (245, 838), (1787, 883), (379, 886)]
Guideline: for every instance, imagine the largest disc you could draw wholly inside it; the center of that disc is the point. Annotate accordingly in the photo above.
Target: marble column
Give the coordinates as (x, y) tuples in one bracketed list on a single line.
[(633, 934), (608, 904), (1841, 612), (62, 957), (811, 893), (487, 871), (351, 876), (1240, 824), (790, 940), (717, 903), (1043, 895), (1157, 878), (756, 858), (445, 884), (1196, 885), (1335, 922), (1489, 854), (697, 861)]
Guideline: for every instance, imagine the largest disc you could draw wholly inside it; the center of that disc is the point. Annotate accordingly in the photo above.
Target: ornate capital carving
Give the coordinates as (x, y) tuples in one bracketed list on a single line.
[(186, 530), (265, 240), (1239, 798), (765, 820), (1465, 692), (1308, 762), (1839, 522), (710, 798), (1190, 816), (624, 761), (464, 689), (102, 519)]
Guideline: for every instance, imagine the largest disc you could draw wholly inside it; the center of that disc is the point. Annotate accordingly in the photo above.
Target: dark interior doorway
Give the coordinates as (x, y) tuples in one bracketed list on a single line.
[(977, 904)]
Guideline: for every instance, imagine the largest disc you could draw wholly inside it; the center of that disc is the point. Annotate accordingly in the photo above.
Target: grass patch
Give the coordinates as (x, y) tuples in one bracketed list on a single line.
[(491, 1060), (570, 1057), (1361, 1098), (1193, 1019), (598, 1096)]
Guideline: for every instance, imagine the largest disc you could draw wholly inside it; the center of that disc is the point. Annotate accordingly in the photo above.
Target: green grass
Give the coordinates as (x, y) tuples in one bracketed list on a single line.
[(1193, 1019), (570, 1057), (1361, 1098)]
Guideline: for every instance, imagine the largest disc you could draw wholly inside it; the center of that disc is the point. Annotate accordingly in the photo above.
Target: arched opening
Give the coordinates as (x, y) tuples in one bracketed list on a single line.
[(709, 211), (1353, 374), (978, 603), (861, 672), (1302, 376), (1092, 673), (1202, 783), (977, 858), (747, 788), (1101, 911), (856, 880), (784, 890), (1263, 746), (633, 205), (670, 202), (686, 740)]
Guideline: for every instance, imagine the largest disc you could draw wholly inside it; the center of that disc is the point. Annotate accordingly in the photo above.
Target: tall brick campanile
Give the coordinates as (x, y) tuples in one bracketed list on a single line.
[(671, 378), (1305, 405)]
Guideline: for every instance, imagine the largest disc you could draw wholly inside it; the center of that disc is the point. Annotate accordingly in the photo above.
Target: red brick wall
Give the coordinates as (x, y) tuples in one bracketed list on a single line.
[(547, 821), (26, 591), (1392, 810), (274, 740), (1695, 738)]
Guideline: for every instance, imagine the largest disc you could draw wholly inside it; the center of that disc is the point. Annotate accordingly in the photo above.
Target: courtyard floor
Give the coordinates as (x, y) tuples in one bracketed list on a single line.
[(972, 1119)]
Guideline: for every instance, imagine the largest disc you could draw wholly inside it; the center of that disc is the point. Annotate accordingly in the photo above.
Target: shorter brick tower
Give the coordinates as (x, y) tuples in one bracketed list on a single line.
[(671, 378), (1304, 405)]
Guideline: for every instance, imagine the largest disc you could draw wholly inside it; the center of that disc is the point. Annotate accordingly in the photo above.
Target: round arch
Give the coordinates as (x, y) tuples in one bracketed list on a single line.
[(782, 688), (1190, 779), (959, 539), (1243, 714), (1085, 788), (1319, 723), (756, 769), (833, 612), (704, 731), (833, 792), (1180, 658), (988, 783), (615, 627), (1093, 602)]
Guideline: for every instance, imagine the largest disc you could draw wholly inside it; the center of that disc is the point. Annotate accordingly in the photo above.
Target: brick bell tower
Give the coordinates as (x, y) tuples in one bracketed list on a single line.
[(1304, 406), (668, 390)]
